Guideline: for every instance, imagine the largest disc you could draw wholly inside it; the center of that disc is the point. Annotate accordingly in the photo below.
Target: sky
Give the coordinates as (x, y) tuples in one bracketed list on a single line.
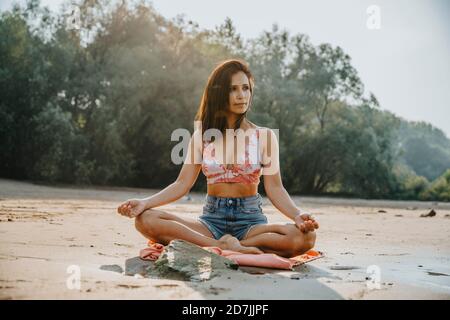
[(405, 62)]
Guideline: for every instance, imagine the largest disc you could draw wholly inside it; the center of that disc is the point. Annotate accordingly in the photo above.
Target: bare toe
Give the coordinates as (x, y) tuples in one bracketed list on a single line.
[(252, 250), (228, 242)]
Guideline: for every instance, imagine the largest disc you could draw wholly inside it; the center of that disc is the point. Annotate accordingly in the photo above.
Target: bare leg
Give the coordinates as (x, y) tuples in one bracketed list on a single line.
[(284, 240), (163, 227)]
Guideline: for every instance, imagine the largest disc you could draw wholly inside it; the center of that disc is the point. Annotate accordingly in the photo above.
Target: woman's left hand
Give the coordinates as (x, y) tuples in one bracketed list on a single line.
[(305, 222)]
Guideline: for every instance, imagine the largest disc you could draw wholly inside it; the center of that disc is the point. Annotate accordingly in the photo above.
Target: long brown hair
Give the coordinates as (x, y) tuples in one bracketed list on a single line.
[(213, 106)]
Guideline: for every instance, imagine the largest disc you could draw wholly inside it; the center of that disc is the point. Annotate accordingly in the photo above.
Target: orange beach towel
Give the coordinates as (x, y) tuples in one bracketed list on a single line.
[(264, 260)]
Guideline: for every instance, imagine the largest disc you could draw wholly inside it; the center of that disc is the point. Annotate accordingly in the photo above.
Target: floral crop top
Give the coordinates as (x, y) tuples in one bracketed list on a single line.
[(248, 170)]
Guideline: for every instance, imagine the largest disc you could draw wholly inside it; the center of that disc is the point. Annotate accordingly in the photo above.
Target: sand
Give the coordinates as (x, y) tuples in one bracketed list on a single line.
[(47, 230)]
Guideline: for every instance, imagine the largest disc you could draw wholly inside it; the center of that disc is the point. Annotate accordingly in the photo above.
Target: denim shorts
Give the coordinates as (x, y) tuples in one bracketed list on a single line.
[(234, 216)]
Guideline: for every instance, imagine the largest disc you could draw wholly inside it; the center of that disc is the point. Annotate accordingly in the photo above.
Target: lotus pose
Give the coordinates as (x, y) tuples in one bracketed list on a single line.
[(232, 153)]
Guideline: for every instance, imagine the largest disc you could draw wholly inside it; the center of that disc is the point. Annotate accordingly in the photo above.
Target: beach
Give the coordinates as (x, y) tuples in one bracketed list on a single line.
[(374, 249)]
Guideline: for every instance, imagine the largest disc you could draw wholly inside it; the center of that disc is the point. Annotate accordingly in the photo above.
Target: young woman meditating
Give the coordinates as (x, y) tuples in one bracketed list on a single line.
[(232, 216)]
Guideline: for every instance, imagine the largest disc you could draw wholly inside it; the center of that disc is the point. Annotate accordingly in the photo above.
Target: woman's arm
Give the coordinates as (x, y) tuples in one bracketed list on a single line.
[(283, 202), (279, 196), (186, 179), (188, 175), (272, 179), (277, 193)]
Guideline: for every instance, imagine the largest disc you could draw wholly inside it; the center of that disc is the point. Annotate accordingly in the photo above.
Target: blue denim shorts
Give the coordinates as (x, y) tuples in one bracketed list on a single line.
[(234, 216)]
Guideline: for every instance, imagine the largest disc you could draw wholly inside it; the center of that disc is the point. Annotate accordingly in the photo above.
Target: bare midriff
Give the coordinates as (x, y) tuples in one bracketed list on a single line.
[(232, 190)]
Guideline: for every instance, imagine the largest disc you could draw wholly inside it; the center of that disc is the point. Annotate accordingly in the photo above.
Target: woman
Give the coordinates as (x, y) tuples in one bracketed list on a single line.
[(232, 217)]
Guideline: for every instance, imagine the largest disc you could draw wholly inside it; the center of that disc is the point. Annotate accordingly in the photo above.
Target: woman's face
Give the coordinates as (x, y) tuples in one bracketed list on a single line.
[(239, 93)]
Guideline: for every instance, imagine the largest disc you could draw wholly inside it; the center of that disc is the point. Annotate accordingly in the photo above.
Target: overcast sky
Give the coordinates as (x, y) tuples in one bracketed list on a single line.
[(405, 63)]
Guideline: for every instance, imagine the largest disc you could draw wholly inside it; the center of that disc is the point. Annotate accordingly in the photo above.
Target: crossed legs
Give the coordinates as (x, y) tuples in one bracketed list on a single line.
[(284, 240)]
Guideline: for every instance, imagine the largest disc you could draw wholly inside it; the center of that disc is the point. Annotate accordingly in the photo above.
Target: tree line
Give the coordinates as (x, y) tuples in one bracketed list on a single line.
[(96, 104)]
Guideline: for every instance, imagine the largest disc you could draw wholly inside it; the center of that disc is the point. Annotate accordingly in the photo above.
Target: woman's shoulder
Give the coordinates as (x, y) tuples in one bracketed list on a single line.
[(266, 135), (263, 130), (256, 127)]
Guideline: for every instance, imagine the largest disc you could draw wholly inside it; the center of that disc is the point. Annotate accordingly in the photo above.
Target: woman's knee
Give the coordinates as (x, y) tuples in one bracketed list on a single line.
[(302, 242), (145, 222), (310, 240)]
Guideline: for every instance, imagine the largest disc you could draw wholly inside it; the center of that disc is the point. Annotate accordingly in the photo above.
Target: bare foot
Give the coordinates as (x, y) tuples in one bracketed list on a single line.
[(228, 242)]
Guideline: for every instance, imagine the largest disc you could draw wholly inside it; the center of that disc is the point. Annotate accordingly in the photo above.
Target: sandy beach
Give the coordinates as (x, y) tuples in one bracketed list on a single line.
[(46, 229)]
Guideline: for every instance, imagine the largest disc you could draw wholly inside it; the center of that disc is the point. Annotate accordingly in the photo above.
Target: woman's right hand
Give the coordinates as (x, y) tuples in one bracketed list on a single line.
[(306, 223), (131, 208)]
